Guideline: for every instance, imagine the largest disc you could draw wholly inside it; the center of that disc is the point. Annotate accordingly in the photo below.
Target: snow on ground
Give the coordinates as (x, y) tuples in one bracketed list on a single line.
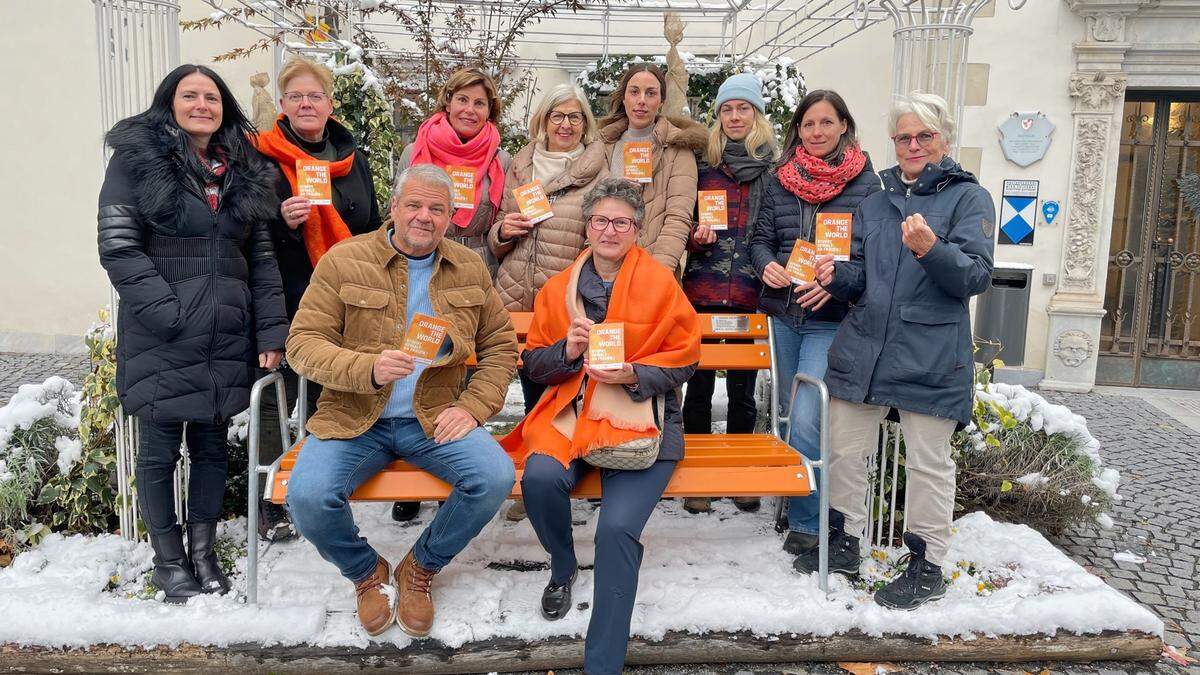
[(723, 571)]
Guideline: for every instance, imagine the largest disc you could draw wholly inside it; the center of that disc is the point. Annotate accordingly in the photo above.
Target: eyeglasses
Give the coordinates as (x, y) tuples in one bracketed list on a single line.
[(315, 98), (923, 139), (619, 225), (575, 119)]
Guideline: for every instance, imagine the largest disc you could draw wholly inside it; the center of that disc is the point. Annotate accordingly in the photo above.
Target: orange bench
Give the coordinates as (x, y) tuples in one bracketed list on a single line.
[(729, 465)]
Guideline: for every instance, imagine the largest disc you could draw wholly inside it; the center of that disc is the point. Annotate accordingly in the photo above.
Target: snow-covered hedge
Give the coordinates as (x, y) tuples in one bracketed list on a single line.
[(1030, 461)]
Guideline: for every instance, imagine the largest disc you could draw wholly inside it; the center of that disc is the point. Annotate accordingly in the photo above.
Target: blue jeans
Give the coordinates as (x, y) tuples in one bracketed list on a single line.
[(803, 351), (328, 471)]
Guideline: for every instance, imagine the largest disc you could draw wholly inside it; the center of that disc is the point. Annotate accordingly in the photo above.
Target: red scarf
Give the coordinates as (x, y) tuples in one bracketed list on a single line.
[(816, 181), (438, 143), (324, 226)]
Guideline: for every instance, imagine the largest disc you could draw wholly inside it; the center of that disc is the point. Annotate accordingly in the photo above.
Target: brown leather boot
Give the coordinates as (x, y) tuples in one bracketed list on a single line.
[(414, 606), (375, 609)]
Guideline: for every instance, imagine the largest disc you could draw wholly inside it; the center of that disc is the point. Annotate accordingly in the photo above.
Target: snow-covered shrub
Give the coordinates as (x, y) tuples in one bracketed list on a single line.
[(38, 434), (1030, 461), (783, 83), (80, 497)]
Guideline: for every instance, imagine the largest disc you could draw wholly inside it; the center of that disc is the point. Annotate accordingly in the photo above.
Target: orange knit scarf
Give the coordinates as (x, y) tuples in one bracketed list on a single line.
[(661, 329), (324, 226)]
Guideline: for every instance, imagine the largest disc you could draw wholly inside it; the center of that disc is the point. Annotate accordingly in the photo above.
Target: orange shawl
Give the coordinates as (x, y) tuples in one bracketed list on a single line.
[(661, 329), (324, 226)]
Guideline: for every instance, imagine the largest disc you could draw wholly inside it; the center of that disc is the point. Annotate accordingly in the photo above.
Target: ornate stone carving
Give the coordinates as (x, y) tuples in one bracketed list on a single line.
[(676, 104), (1087, 190), (1107, 27), (1073, 348), (1096, 92), (262, 107)]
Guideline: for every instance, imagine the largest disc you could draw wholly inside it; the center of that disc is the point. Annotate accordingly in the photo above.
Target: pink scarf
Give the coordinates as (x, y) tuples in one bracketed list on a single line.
[(437, 143)]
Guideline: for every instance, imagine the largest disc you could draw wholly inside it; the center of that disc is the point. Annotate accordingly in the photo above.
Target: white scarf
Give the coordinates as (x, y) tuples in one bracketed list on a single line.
[(549, 165)]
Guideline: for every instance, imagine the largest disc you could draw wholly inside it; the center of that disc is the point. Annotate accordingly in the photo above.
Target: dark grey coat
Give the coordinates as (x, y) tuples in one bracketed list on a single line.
[(906, 341), (549, 366)]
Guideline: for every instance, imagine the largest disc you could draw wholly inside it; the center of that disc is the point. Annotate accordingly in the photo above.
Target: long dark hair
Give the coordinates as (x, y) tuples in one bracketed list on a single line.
[(616, 100), (230, 137), (849, 139)]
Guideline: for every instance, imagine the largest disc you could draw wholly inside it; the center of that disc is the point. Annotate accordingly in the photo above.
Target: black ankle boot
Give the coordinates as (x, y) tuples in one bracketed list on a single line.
[(172, 571), (201, 538), (556, 599), (402, 512), (844, 556), (920, 582)]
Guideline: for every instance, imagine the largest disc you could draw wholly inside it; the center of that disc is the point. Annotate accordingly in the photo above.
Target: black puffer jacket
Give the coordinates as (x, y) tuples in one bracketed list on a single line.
[(353, 197), (784, 217), (200, 290)]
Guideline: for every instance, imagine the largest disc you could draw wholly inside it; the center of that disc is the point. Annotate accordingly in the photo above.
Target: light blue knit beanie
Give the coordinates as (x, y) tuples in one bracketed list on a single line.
[(742, 87)]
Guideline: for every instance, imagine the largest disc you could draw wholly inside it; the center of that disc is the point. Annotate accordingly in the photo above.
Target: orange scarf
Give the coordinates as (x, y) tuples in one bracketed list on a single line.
[(324, 226), (661, 329)]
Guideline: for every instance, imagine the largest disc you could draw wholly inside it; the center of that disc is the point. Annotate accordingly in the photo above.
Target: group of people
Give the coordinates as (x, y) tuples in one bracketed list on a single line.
[(221, 267)]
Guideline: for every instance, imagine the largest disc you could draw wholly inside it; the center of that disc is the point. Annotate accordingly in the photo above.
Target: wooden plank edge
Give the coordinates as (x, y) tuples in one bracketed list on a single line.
[(510, 654)]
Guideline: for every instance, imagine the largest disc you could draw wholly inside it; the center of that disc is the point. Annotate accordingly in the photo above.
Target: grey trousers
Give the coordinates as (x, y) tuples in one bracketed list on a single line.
[(929, 490)]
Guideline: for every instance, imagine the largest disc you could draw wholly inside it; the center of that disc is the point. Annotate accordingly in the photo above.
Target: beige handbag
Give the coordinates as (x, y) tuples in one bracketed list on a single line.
[(635, 455)]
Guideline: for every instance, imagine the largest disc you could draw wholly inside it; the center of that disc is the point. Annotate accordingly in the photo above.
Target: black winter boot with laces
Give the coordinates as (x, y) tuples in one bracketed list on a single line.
[(844, 556), (920, 582)]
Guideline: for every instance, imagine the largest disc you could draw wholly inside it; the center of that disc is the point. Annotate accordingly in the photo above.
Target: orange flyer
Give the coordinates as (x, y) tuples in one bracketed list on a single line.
[(714, 209), (464, 186), (532, 201), (606, 346), (637, 162), (833, 235), (424, 337), (312, 181), (801, 264)]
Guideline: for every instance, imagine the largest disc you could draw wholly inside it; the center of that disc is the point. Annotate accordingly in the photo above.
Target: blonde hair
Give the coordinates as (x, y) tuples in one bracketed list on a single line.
[(760, 142), (469, 77), (556, 97), (299, 65), (931, 109)]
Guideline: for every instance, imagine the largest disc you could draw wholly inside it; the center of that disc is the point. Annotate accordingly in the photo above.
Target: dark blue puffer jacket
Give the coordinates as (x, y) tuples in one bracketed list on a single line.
[(783, 218), (906, 341)]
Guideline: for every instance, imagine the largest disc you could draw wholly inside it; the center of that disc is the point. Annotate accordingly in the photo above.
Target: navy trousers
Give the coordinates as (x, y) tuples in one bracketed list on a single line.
[(628, 498)]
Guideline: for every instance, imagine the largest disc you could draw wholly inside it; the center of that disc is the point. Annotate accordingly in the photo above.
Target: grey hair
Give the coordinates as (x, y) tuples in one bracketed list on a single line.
[(555, 97), (619, 189), (931, 109), (425, 173)]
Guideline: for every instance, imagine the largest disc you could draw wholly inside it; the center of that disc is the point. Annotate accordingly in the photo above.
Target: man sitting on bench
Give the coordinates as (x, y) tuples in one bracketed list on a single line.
[(380, 405)]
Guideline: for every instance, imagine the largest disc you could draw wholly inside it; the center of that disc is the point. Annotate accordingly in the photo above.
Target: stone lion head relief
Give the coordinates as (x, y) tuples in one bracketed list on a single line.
[(1073, 348)]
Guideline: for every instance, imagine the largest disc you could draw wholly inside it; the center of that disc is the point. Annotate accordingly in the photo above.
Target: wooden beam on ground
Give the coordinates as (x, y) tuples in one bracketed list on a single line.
[(507, 655)]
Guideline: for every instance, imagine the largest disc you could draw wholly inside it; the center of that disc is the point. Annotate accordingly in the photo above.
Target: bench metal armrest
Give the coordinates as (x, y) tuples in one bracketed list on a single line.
[(822, 464)]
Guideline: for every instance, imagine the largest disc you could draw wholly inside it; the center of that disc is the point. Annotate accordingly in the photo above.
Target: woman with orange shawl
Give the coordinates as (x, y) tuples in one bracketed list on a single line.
[(586, 408), (304, 231)]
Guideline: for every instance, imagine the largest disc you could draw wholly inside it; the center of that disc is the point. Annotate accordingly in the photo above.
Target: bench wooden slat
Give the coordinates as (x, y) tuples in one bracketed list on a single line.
[(688, 481)]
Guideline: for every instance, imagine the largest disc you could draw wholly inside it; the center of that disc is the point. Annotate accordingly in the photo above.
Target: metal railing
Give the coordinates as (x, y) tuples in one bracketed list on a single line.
[(138, 44)]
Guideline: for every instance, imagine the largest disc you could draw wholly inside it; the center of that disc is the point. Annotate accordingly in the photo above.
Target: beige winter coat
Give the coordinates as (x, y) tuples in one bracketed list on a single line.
[(671, 196), (527, 262)]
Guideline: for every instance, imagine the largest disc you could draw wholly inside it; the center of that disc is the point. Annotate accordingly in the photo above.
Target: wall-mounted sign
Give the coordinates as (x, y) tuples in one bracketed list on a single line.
[(1018, 212), (1050, 210), (1025, 137)]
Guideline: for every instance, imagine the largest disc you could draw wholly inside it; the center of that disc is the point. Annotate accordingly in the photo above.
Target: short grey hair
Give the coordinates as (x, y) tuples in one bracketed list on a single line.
[(425, 173), (931, 109), (556, 97), (619, 189)]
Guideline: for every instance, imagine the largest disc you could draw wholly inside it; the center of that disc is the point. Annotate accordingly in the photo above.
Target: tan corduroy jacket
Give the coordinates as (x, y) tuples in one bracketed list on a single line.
[(671, 195), (354, 308), (526, 263)]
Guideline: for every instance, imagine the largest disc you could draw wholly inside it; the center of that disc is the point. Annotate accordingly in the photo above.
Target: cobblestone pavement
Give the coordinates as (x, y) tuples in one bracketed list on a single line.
[(1158, 519), (18, 369)]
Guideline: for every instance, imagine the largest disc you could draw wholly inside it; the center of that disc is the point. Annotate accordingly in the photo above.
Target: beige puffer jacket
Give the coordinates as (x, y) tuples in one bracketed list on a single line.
[(671, 196), (526, 263)]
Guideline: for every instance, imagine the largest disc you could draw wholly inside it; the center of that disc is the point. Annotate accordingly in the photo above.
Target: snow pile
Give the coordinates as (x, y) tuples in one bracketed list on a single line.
[(722, 571)]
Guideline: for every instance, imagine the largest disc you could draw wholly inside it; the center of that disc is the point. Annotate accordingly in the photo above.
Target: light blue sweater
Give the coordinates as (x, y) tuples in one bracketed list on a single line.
[(420, 271)]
